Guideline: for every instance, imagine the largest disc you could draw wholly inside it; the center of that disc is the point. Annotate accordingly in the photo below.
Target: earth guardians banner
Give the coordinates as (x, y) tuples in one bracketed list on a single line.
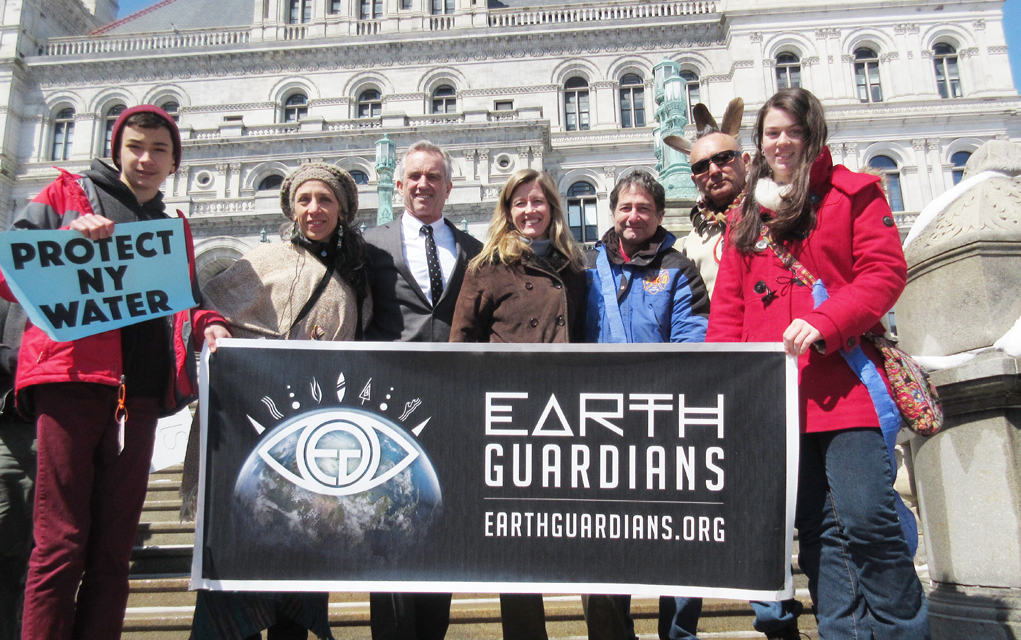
[(645, 469)]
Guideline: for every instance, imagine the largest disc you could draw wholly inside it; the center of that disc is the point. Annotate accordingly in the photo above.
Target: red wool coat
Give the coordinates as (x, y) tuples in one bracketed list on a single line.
[(855, 250)]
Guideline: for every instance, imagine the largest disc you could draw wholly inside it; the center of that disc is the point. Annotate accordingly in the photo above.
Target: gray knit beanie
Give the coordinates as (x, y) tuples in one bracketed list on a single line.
[(340, 181)]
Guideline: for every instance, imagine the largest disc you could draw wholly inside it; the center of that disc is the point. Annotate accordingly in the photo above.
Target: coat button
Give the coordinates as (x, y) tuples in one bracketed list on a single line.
[(528, 285), (760, 286), (534, 322), (850, 342), (560, 321), (888, 221)]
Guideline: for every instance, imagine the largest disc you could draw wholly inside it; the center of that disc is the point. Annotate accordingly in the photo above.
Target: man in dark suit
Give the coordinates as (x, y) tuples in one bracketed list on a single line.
[(417, 264)]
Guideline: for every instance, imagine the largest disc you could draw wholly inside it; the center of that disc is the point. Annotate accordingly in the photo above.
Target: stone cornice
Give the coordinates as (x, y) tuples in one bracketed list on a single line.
[(506, 91), (313, 56), (928, 109), (215, 108)]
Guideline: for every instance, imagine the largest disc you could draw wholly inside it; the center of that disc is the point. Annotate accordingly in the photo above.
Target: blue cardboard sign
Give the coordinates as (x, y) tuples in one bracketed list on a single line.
[(72, 287)]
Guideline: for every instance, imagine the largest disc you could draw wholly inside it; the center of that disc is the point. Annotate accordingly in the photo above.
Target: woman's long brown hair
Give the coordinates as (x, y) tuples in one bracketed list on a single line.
[(795, 217)]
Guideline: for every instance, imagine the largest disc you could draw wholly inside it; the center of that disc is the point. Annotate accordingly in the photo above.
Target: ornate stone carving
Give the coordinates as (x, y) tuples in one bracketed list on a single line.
[(906, 27), (918, 144), (892, 55), (221, 168), (523, 153), (755, 36), (978, 25), (932, 144), (215, 108)]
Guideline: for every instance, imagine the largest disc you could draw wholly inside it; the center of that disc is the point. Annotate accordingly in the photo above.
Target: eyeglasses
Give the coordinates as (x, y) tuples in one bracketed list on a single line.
[(719, 159)]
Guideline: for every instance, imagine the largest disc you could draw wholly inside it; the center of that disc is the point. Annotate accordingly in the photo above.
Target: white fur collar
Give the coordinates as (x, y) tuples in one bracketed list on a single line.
[(769, 194)]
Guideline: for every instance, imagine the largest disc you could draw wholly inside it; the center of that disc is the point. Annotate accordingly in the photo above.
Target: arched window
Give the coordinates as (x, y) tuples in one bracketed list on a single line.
[(581, 211), (63, 134), (866, 75), (370, 104), (271, 182), (948, 78), (691, 82), (788, 71), (959, 159), (576, 107), (444, 99), (111, 118), (891, 180), (300, 12), (295, 107), (173, 109), (440, 7), (370, 9), (632, 101), (360, 177)]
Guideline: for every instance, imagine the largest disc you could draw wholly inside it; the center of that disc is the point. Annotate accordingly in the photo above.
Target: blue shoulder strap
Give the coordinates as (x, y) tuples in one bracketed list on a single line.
[(886, 409), (609, 290)]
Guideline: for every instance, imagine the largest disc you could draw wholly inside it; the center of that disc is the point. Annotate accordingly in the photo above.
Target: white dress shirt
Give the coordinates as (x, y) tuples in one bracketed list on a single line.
[(414, 251)]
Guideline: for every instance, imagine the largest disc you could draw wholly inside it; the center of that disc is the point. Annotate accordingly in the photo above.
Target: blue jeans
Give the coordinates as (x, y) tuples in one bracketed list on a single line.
[(860, 573), (678, 617)]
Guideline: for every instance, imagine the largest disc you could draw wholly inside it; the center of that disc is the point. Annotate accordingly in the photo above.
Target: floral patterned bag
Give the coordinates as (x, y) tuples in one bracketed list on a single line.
[(913, 393)]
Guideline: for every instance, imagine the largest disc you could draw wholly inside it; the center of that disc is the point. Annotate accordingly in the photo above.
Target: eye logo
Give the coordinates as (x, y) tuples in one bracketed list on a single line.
[(337, 452)]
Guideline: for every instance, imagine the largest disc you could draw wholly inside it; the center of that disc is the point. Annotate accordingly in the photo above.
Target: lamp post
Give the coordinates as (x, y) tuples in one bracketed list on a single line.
[(386, 162), (672, 115)]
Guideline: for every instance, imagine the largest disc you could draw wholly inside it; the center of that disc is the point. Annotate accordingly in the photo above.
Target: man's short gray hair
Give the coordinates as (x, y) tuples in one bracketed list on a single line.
[(429, 147)]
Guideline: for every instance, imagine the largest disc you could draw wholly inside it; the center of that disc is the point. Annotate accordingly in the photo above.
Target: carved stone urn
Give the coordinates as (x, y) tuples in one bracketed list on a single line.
[(963, 294)]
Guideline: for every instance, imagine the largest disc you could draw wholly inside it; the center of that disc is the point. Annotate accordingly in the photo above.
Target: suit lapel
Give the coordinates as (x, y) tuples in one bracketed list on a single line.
[(397, 251), (460, 258)]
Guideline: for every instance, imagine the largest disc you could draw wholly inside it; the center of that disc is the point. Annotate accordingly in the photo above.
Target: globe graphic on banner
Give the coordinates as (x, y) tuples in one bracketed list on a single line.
[(345, 481)]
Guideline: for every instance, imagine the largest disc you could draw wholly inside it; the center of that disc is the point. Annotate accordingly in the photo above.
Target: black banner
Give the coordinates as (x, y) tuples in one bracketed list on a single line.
[(658, 469)]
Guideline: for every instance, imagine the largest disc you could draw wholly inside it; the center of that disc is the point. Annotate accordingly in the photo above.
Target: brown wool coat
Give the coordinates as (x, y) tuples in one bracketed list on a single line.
[(535, 301)]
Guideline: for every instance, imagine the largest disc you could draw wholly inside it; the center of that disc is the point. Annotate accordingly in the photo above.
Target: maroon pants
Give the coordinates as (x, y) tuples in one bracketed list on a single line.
[(88, 500)]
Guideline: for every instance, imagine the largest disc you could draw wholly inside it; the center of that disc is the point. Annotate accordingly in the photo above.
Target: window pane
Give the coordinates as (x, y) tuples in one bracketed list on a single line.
[(590, 212), (893, 188), (574, 213)]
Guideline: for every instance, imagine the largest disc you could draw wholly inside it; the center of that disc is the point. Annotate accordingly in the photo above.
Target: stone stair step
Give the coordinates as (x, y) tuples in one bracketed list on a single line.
[(165, 532), (163, 559), (473, 616), (165, 510)]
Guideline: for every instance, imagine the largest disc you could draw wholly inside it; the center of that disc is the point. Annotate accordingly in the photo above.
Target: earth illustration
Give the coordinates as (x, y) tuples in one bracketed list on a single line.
[(354, 486)]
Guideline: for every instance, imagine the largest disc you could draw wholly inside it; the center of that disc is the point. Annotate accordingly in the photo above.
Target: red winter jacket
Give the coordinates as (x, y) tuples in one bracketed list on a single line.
[(98, 358), (855, 250)]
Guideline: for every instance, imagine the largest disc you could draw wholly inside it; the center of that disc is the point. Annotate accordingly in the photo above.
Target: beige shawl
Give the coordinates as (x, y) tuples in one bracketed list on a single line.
[(262, 293)]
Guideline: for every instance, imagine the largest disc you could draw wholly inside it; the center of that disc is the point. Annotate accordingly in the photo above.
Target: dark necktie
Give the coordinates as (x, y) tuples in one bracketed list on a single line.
[(433, 260)]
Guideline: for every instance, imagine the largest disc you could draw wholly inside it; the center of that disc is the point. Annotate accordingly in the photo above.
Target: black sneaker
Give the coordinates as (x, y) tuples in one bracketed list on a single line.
[(784, 634)]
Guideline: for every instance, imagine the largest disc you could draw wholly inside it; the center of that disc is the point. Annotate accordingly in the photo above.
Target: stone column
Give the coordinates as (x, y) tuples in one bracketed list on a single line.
[(537, 158), (939, 184), (923, 170), (469, 164), (484, 165), (960, 299)]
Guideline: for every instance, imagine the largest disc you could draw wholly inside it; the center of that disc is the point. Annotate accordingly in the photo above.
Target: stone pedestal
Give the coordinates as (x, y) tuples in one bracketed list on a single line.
[(964, 273)]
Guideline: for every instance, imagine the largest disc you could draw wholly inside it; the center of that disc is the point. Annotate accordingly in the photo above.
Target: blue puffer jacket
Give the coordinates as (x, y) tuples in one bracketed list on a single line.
[(659, 292)]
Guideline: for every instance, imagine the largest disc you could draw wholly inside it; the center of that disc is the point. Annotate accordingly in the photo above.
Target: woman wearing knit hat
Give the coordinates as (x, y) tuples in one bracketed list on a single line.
[(312, 286)]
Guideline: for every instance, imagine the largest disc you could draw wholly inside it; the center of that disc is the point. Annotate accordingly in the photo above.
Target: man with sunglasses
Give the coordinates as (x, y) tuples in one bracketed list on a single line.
[(718, 169)]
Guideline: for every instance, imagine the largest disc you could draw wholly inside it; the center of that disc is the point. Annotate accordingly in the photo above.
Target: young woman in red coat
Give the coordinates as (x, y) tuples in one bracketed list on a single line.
[(837, 224)]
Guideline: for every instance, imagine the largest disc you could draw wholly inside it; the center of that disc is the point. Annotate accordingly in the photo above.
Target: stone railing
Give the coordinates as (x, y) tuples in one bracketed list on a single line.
[(367, 27), (441, 23), (273, 129), (220, 207), (86, 45), (563, 15), (436, 118), (358, 123), (295, 32)]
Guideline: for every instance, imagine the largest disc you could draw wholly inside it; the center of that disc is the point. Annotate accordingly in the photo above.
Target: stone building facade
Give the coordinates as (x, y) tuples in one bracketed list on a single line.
[(259, 86)]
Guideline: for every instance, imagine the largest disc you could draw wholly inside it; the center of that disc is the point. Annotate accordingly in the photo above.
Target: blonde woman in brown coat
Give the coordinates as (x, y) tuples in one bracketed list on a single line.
[(527, 285)]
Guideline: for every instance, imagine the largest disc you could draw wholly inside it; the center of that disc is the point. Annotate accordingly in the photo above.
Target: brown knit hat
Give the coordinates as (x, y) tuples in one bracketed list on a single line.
[(340, 181)]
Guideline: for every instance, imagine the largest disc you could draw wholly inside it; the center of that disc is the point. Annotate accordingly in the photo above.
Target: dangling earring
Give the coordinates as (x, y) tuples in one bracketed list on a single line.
[(340, 239)]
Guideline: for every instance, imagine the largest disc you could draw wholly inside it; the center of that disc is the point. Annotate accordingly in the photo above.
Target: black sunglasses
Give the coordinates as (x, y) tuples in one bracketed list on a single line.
[(719, 159)]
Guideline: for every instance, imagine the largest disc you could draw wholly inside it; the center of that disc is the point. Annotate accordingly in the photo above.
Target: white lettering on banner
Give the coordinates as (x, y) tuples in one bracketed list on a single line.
[(591, 411), (614, 526), (492, 409), (658, 464)]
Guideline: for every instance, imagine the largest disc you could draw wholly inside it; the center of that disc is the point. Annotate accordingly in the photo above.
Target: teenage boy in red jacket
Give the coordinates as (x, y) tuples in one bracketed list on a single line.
[(89, 492)]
